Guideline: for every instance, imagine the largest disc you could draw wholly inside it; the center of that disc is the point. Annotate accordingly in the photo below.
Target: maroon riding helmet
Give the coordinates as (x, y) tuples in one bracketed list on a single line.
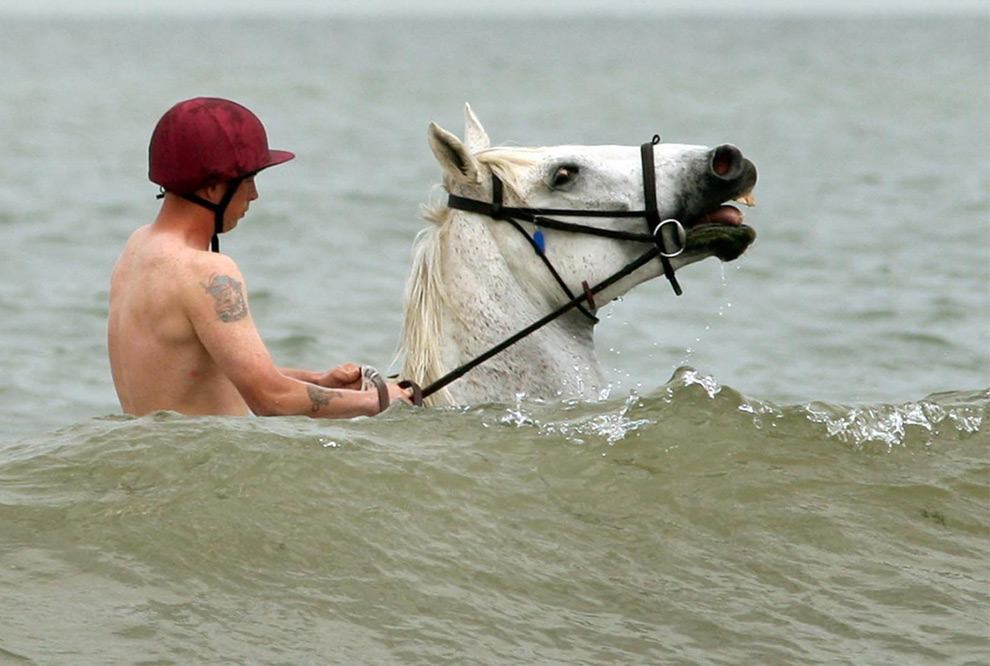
[(207, 141)]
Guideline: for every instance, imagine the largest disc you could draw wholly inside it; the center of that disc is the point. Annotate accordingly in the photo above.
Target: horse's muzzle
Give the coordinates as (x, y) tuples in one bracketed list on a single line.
[(729, 173)]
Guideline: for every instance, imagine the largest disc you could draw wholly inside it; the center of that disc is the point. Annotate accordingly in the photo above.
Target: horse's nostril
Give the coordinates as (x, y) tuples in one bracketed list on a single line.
[(726, 161)]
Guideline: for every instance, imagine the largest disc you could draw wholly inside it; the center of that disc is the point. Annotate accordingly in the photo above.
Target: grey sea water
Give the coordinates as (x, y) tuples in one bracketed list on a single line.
[(791, 468)]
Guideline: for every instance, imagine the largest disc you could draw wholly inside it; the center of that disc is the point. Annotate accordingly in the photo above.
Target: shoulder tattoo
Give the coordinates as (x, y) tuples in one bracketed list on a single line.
[(228, 297), (319, 396)]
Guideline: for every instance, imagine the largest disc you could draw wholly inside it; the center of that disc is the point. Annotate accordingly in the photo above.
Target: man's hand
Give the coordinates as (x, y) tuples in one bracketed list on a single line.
[(346, 376), (396, 393)]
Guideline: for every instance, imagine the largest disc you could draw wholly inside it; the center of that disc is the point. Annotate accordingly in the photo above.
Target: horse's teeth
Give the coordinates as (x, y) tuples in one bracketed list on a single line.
[(747, 199)]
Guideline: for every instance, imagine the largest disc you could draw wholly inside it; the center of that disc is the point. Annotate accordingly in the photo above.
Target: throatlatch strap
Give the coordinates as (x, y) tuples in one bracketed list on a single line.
[(652, 214), (553, 271), (497, 213)]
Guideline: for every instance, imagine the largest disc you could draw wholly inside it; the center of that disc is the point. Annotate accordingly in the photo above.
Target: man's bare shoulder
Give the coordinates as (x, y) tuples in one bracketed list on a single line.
[(202, 266), (212, 286), (166, 252), (164, 265)]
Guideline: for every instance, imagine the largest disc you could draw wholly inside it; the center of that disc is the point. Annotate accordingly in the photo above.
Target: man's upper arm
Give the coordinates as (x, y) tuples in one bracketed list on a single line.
[(217, 306)]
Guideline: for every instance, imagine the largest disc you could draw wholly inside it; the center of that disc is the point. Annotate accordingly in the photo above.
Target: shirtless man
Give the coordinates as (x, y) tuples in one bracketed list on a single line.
[(180, 332)]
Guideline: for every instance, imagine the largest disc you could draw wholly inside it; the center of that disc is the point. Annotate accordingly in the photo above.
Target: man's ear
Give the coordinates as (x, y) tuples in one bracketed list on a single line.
[(455, 159), (213, 193)]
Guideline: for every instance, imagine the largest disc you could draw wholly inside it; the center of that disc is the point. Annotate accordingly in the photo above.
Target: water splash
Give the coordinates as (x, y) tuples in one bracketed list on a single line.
[(935, 418), (761, 412), (688, 376), (610, 426), (878, 427), (516, 415), (893, 425)]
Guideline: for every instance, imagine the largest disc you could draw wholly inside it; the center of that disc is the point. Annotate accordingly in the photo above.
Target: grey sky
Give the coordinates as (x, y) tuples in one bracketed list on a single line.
[(556, 7)]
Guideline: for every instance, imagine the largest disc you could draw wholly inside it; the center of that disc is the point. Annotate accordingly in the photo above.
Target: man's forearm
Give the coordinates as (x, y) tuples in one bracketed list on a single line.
[(296, 397), (340, 403), (307, 376)]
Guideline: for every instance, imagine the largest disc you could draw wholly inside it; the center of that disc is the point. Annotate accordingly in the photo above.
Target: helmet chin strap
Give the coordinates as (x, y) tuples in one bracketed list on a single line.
[(218, 208)]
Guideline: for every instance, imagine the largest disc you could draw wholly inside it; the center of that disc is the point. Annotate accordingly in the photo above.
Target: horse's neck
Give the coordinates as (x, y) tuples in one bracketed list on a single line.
[(484, 303)]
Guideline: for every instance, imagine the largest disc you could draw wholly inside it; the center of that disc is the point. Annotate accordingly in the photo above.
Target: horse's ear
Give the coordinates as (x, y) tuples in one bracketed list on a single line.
[(454, 157), (474, 134)]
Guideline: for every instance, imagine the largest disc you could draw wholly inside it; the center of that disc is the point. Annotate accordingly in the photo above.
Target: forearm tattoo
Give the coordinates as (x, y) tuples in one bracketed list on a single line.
[(228, 297), (320, 397)]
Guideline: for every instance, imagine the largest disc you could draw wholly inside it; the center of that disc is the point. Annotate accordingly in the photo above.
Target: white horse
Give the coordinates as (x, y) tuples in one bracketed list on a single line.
[(476, 280)]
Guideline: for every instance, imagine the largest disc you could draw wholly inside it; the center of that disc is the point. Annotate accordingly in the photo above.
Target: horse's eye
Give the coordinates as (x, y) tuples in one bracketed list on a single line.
[(564, 175)]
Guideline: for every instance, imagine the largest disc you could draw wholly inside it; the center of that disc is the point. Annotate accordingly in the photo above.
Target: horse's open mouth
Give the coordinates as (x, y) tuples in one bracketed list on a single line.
[(721, 231)]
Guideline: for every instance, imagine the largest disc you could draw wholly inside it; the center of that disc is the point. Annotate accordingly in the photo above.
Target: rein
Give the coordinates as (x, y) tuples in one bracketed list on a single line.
[(664, 247)]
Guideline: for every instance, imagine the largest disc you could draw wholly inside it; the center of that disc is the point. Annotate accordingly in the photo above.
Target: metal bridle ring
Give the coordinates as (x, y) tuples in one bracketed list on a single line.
[(681, 238)]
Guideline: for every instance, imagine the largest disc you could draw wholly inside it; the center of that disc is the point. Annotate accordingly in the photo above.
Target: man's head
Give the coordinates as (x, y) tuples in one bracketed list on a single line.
[(204, 145)]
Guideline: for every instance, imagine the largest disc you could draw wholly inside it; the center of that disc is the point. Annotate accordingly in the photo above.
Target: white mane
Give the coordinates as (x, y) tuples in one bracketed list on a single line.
[(422, 328)]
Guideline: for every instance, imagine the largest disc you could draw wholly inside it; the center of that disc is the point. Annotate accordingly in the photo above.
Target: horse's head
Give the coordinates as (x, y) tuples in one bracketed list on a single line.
[(693, 185)]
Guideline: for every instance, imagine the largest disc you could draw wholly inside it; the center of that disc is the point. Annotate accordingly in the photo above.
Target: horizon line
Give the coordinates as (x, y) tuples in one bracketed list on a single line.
[(962, 10)]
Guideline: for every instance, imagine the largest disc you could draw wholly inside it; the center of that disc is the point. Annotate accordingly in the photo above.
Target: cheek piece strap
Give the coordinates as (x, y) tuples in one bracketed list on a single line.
[(654, 225)]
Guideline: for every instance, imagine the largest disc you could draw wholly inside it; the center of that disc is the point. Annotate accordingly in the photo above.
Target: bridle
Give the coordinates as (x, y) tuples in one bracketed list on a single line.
[(667, 239), (539, 216)]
